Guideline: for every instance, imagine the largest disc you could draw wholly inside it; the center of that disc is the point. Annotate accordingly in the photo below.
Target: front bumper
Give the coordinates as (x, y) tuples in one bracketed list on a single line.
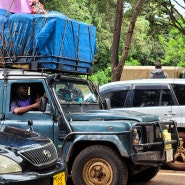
[(152, 157), (153, 147), (44, 177)]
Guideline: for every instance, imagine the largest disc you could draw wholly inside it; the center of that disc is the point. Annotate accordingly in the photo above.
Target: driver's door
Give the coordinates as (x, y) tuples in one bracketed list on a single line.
[(42, 122)]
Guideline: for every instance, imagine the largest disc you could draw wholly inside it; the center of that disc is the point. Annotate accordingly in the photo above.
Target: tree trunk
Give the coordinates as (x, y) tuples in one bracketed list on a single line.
[(117, 67), (116, 34)]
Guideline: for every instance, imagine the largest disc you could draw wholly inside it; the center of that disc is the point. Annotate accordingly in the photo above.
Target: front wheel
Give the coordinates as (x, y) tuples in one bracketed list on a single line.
[(99, 165)]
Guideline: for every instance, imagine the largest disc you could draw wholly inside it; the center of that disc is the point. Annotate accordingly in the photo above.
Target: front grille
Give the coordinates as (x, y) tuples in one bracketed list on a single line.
[(150, 136), (41, 156)]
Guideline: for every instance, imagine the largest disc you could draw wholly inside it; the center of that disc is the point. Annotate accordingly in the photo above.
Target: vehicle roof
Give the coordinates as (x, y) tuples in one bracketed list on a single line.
[(10, 73), (17, 73), (144, 82)]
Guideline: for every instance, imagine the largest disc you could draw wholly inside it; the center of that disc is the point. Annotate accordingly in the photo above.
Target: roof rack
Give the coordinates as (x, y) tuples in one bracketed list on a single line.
[(53, 67)]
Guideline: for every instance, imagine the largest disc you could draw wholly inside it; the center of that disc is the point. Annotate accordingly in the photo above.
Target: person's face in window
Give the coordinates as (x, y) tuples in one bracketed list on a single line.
[(69, 86), (22, 91)]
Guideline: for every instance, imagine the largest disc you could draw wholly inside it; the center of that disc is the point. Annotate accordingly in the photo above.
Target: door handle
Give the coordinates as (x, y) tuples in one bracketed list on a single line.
[(170, 113)]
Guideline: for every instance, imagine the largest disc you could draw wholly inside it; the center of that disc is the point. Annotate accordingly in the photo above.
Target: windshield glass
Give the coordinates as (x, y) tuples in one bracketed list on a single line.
[(74, 91)]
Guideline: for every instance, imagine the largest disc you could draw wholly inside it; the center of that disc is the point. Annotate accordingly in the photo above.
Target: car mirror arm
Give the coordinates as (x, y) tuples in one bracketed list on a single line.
[(107, 103)]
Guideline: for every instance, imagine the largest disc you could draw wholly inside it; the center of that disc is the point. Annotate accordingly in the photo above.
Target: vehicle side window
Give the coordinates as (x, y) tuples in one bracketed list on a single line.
[(117, 98), (166, 98), (144, 98), (152, 97), (179, 90), (34, 92)]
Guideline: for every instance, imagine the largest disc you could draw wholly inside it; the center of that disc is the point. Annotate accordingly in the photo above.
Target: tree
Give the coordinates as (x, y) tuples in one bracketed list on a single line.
[(176, 19), (174, 48), (117, 67), (116, 38)]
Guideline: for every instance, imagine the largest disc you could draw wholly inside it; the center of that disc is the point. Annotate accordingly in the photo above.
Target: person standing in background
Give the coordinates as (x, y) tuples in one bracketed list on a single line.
[(158, 72)]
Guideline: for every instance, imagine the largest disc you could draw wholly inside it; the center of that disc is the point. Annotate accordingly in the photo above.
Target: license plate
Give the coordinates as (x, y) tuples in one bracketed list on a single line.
[(59, 179), (169, 155)]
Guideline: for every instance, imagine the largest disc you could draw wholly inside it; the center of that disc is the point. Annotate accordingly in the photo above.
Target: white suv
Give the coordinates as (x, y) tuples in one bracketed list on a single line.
[(163, 97)]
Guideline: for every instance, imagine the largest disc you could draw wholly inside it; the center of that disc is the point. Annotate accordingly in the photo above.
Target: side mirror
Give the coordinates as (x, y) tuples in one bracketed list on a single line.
[(43, 104), (107, 103)]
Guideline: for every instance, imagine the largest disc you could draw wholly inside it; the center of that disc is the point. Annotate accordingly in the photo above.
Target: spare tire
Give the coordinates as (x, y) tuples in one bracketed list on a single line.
[(179, 157)]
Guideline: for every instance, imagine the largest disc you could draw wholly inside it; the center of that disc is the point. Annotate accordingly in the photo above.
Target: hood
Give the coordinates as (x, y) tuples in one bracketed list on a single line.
[(17, 138), (112, 115), (31, 150)]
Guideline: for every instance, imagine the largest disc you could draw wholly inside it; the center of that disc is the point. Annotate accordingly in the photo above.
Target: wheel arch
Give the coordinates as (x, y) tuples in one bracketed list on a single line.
[(80, 145)]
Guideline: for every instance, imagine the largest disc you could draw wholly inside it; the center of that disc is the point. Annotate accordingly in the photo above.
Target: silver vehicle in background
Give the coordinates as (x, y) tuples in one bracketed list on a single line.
[(163, 97)]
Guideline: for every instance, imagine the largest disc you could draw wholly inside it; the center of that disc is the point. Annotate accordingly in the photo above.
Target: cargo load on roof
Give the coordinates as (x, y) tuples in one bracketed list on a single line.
[(49, 40)]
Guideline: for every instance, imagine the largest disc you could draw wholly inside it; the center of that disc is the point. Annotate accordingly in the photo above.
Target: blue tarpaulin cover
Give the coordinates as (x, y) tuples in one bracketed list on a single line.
[(52, 40)]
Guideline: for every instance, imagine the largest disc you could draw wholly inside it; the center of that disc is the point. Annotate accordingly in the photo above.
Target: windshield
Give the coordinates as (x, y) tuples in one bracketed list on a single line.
[(74, 91)]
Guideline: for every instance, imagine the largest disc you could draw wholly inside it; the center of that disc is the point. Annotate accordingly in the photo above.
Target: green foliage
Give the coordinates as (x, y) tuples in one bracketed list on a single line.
[(142, 43), (52, 5), (132, 62), (102, 76), (174, 48)]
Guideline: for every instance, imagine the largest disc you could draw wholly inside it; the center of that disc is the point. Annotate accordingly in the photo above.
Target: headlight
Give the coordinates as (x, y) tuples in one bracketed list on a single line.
[(7, 165), (136, 137)]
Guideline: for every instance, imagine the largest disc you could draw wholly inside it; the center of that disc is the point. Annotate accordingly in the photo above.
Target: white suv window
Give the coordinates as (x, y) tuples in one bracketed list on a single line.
[(143, 98), (179, 90), (152, 97), (166, 98), (117, 98)]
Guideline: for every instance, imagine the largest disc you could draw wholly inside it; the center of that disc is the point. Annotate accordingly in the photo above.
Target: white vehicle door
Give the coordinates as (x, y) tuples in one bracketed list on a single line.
[(179, 91), (154, 99)]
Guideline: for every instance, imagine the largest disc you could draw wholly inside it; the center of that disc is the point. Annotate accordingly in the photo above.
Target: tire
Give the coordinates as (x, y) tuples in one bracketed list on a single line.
[(99, 165), (179, 157), (145, 175)]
